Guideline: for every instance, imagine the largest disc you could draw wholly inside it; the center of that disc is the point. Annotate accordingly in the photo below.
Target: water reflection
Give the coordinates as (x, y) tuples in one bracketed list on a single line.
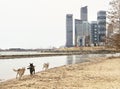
[(69, 59), (80, 59), (73, 59)]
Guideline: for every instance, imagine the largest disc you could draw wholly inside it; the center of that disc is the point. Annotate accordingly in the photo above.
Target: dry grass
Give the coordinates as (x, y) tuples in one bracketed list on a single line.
[(86, 48)]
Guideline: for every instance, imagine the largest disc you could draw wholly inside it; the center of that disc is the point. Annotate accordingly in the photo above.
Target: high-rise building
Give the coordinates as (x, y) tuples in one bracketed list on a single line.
[(101, 19), (69, 30), (82, 28), (84, 13), (94, 37), (78, 33), (81, 32)]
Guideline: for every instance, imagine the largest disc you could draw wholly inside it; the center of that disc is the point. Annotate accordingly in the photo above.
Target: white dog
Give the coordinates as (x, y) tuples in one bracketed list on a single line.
[(45, 66), (20, 72)]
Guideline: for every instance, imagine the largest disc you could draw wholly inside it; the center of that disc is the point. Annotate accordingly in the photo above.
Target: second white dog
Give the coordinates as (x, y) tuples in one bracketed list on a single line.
[(45, 66)]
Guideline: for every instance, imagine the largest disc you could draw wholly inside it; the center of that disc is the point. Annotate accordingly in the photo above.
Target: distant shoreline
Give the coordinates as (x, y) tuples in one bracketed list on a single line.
[(55, 53), (29, 55)]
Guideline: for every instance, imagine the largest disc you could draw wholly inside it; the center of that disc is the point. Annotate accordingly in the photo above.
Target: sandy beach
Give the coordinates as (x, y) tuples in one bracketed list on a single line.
[(102, 73)]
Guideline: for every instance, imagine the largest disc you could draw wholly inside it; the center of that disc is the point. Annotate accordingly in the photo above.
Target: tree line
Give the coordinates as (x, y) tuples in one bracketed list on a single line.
[(113, 39)]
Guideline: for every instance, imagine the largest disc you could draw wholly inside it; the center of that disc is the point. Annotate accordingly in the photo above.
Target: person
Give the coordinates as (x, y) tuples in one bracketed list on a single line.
[(31, 68)]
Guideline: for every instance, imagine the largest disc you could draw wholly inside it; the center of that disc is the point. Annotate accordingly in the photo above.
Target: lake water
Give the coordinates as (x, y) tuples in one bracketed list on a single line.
[(7, 65)]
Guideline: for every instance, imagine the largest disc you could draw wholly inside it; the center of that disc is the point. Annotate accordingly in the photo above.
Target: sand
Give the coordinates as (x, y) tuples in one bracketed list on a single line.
[(102, 73)]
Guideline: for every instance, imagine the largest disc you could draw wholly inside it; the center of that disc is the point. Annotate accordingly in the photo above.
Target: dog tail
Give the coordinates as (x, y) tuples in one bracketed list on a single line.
[(15, 70)]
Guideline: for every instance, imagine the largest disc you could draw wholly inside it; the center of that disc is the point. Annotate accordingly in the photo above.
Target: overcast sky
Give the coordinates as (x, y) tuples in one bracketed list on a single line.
[(40, 23)]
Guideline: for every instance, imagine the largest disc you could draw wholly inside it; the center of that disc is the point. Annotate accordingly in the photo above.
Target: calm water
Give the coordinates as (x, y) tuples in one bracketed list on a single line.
[(7, 65)]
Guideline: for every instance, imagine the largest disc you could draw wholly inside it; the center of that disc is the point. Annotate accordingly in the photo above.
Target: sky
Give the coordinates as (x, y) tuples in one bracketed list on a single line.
[(41, 23)]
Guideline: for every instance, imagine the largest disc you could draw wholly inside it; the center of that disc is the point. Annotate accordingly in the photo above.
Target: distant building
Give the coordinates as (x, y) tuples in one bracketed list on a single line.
[(101, 19), (84, 13), (81, 32), (86, 32), (82, 28), (78, 33), (69, 30), (94, 37)]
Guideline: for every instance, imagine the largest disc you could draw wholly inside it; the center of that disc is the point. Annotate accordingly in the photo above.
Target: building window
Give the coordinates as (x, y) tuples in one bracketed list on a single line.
[(95, 29)]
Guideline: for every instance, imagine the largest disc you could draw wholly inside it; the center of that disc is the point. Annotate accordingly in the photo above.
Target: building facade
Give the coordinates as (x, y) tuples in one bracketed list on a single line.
[(94, 37), (69, 30), (81, 32), (84, 13), (101, 19), (78, 33)]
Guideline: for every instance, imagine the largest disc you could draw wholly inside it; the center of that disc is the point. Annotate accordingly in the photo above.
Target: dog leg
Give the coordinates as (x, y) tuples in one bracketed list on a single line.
[(16, 75), (20, 77)]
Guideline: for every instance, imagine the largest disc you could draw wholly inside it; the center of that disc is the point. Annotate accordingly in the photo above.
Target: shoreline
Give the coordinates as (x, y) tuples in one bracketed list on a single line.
[(56, 53), (88, 75)]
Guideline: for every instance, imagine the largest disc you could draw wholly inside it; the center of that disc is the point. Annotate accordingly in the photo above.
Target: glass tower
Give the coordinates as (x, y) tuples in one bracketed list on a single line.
[(69, 30)]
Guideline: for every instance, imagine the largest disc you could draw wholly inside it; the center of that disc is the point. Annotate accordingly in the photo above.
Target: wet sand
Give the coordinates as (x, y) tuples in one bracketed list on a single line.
[(102, 73)]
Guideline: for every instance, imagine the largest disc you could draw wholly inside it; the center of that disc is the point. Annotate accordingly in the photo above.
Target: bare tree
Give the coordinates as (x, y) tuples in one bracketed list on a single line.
[(114, 20), (114, 41), (114, 14)]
